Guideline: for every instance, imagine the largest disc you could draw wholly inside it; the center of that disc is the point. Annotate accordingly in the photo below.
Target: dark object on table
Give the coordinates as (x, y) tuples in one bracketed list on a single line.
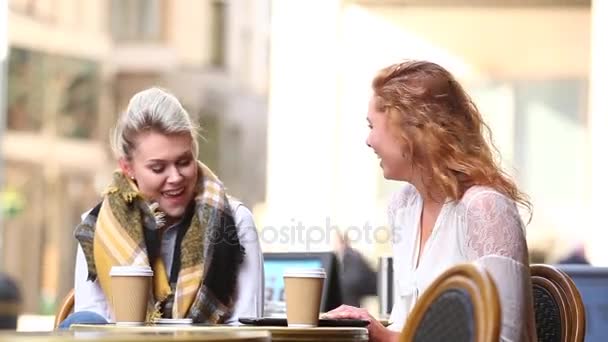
[(323, 322)]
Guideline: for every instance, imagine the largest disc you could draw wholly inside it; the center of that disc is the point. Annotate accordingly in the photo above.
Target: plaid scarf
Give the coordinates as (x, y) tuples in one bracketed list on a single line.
[(113, 234)]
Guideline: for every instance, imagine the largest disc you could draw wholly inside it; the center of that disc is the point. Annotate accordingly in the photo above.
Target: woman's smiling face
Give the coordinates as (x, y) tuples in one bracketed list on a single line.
[(385, 143), (164, 168)]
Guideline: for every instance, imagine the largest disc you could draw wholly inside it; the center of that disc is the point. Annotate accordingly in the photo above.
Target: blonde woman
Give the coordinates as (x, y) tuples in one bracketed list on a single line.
[(167, 210)]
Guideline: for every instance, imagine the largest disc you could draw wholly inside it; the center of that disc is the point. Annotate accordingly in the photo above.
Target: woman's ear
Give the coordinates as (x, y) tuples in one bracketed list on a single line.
[(126, 168)]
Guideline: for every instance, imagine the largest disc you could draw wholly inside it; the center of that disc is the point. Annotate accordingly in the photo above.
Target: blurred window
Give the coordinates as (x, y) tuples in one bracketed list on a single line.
[(551, 124), (54, 91), (137, 20), (77, 88), (218, 33), (24, 105)]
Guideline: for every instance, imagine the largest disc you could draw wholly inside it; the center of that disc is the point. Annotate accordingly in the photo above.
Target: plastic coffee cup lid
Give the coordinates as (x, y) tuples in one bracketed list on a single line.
[(173, 321), (304, 273), (131, 271)]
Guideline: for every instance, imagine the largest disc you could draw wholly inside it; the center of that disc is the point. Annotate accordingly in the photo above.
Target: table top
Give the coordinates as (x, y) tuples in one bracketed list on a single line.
[(147, 336), (278, 334)]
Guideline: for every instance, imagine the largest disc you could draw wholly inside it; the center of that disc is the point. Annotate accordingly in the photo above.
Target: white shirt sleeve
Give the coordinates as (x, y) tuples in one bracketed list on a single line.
[(250, 283), (88, 295), (494, 238)]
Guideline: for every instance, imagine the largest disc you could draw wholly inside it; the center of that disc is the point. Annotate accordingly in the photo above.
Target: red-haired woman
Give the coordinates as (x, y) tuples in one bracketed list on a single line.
[(456, 205)]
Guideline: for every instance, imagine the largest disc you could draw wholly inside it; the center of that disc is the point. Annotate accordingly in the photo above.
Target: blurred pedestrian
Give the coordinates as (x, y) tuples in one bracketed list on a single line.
[(576, 256), (356, 276)]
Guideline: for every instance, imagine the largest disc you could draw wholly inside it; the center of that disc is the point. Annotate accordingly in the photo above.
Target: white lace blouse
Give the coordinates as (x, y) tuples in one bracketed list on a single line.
[(484, 227)]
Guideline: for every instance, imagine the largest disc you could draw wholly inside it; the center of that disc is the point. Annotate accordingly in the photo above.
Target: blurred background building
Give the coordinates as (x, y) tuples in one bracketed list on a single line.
[(281, 89)]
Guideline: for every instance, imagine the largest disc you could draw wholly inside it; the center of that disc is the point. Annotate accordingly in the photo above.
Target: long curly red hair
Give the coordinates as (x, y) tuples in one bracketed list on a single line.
[(441, 129)]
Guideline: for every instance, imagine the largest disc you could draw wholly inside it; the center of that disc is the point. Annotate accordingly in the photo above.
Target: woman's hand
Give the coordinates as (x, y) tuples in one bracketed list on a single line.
[(377, 331)]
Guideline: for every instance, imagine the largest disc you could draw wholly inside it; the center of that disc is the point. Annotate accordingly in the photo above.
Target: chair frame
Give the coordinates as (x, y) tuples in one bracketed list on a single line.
[(477, 282), (567, 296), (560, 300), (67, 305)]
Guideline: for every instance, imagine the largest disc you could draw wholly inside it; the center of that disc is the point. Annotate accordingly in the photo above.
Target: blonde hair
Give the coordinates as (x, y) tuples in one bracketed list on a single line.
[(441, 129), (153, 109)]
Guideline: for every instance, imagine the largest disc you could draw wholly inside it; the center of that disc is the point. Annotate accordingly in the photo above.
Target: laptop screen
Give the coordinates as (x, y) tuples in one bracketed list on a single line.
[(274, 287), (275, 265)]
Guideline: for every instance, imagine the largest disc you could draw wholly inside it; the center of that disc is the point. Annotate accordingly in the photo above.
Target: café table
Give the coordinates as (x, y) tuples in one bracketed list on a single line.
[(143, 336), (278, 334)]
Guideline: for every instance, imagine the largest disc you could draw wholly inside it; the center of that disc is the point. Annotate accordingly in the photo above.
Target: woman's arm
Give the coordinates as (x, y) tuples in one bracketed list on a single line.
[(250, 283), (494, 238), (88, 295), (493, 227), (377, 331)]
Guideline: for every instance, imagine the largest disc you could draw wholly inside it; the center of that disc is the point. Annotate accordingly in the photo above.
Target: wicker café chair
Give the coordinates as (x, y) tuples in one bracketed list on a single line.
[(461, 305), (558, 308), (67, 306)]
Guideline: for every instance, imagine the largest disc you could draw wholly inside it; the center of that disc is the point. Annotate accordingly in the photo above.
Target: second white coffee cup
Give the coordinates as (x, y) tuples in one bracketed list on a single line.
[(303, 291)]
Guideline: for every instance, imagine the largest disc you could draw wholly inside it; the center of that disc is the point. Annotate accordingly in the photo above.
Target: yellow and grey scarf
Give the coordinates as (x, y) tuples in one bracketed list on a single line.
[(113, 234)]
